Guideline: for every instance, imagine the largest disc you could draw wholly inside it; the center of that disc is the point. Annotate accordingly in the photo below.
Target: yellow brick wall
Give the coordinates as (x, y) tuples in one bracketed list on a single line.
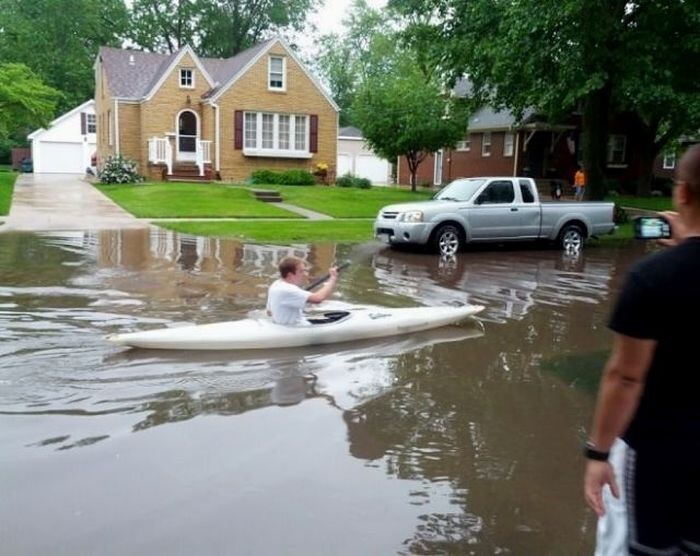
[(103, 106), (301, 97)]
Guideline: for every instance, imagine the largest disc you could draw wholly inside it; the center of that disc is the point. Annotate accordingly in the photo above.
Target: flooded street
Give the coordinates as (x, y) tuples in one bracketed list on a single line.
[(462, 440)]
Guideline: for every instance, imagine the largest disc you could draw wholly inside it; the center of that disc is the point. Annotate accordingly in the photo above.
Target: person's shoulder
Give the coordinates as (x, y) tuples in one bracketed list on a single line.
[(667, 262)]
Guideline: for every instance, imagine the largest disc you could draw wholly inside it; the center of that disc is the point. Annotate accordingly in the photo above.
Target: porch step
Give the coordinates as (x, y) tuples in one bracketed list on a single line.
[(267, 195), (187, 172)]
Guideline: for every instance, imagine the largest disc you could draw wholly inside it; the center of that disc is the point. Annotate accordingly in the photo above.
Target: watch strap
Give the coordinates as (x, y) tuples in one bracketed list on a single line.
[(591, 452)]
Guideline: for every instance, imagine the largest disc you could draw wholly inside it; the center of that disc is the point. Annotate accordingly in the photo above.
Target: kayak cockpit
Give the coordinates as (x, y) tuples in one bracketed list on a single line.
[(328, 317)]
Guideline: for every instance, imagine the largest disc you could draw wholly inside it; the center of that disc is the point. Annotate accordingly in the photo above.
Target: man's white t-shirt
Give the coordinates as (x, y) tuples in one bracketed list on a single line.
[(286, 302)]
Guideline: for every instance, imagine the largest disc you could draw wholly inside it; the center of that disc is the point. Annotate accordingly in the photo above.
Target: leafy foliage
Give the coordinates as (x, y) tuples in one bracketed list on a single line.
[(119, 169), (348, 180), (24, 99), (608, 57), (214, 28), (58, 40), (284, 177)]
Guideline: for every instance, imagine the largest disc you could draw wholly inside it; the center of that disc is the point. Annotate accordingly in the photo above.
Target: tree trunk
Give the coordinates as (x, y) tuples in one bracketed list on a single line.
[(595, 138), (412, 161), (648, 150)]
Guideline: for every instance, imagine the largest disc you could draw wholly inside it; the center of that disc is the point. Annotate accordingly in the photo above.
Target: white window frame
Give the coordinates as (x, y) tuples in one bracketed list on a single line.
[(464, 146), (486, 143), (91, 123), (184, 78), (612, 161), (276, 151), (283, 88), (669, 162), (508, 144)]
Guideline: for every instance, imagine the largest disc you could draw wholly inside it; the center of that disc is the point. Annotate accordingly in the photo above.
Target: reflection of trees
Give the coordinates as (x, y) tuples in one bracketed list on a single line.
[(28, 261), (483, 424)]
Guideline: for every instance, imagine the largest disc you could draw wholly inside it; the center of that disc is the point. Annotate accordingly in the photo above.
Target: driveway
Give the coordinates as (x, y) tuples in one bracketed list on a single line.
[(43, 202)]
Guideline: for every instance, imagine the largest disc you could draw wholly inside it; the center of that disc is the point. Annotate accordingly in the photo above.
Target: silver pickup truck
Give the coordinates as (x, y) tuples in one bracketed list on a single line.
[(491, 209)]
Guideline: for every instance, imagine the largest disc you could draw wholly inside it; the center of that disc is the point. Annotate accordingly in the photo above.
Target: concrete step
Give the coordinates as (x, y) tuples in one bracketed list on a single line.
[(267, 196)]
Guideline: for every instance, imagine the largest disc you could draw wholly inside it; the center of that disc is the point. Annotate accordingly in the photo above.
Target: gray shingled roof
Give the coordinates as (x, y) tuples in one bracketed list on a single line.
[(350, 131), (134, 81)]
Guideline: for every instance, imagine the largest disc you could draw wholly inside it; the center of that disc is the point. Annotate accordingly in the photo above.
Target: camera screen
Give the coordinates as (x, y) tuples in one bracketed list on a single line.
[(653, 228)]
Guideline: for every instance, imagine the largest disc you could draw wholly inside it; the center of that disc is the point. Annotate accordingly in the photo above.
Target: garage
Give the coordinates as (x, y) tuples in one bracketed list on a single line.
[(67, 144), (355, 157)]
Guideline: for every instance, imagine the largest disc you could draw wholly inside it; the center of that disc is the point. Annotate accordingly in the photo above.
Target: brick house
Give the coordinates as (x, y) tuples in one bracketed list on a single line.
[(495, 144), (182, 115)]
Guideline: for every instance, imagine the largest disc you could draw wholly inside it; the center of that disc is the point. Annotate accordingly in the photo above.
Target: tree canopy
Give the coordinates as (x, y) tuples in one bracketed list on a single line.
[(606, 56), (24, 100)]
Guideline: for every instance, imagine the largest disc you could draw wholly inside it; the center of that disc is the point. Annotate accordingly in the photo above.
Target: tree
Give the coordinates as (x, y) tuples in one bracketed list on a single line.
[(59, 39), (214, 28), (607, 56), (404, 114), (24, 99)]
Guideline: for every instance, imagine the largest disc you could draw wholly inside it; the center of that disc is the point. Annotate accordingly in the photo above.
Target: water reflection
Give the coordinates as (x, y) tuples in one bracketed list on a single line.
[(460, 416)]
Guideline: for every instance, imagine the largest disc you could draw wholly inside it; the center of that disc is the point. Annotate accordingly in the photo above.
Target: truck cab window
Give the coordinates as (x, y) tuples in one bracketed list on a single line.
[(526, 192), (498, 192)]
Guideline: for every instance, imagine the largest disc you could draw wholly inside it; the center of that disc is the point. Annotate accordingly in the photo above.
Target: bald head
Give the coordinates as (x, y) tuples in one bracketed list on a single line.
[(689, 169)]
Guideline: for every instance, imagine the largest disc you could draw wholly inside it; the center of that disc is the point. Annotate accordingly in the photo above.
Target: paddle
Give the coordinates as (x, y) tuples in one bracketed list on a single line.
[(325, 277)]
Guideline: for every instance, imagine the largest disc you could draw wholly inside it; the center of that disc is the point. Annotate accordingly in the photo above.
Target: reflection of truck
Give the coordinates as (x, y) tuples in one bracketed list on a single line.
[(491, 209)]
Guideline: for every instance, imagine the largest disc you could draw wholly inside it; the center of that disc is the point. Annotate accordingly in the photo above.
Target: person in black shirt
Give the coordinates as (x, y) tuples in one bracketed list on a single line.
[(650, 387)]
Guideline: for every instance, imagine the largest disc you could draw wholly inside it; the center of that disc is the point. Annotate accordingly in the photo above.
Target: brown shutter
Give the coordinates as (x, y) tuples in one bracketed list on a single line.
[(238, 130), (83, 124), (313, 134)]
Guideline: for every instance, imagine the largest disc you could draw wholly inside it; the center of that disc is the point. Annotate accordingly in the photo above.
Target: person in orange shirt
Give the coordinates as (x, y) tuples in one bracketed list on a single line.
[(579, 184)]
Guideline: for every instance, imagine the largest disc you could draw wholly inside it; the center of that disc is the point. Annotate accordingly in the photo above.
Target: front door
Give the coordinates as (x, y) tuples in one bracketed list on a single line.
[(186, 136)]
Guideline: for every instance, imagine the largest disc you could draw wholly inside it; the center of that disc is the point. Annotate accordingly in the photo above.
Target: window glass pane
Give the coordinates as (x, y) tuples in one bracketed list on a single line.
[(251, 124), (526, 192), (283, 132), (616, 149), (185, 78), (268, 131), (300, 133), (499, 192), (508, 144), (276, 73), (486, 144), (91, 123)]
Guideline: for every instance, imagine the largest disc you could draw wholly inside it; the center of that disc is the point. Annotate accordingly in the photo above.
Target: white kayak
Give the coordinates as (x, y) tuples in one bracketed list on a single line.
[(332, 326)]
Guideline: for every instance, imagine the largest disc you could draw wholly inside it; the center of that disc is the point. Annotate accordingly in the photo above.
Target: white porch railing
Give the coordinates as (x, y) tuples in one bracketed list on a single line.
[(203, 155), (160, 151)]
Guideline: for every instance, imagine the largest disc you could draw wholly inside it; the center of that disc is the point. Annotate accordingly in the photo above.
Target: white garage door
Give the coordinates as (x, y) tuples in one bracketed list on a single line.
[(61, 158), (373, 168), (344, 164)]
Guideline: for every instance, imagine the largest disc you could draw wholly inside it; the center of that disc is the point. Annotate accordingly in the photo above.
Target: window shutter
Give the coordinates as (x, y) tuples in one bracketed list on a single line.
[(238, 130), (313, 133), (83, 124)]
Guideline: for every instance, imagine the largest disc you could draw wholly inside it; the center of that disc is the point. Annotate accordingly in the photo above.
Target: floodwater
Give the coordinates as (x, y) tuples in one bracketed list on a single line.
[(464, 440)]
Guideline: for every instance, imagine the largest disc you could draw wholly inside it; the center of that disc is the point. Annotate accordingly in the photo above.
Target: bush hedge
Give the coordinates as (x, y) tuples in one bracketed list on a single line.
[(284, 177), (348, 180), (119, 169)]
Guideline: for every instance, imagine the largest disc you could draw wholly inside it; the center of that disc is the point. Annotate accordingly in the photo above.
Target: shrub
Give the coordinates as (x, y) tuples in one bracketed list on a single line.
[(346, 180), (119, 169), (285, 177)]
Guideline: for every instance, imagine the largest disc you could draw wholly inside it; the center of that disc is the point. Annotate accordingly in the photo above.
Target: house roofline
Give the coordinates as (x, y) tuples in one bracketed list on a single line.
[(173, 64), (215, 97), (34, 134)]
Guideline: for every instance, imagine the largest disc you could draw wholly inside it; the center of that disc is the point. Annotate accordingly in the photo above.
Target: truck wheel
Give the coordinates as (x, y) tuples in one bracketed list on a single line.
[(447, 240), (571, 238)]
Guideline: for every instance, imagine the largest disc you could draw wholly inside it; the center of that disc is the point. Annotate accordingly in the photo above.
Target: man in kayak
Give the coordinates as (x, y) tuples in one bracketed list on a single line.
[(286, 298)]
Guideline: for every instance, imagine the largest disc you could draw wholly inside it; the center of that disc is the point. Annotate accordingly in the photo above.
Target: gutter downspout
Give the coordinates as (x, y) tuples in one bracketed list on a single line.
[(217, 135), (116, 126)]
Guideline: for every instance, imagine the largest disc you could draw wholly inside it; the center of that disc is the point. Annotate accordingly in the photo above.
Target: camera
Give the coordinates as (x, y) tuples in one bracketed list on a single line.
[(651, 227)]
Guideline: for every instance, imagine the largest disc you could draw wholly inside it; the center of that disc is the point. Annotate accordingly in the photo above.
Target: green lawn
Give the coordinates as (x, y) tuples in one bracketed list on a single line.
[(279, 231), (7, 184), (185, 200), (648, 203), (346, 202)]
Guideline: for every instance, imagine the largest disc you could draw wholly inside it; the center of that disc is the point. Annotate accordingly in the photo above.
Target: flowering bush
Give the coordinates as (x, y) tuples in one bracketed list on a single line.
[(118, 169), (321, 168)]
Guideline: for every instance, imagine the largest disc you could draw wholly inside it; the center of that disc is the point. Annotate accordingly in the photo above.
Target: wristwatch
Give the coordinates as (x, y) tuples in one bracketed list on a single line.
[(591, 452)]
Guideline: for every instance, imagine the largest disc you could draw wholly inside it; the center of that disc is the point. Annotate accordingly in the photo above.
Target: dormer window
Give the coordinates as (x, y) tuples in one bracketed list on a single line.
[(186, 78), (277, 73)]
